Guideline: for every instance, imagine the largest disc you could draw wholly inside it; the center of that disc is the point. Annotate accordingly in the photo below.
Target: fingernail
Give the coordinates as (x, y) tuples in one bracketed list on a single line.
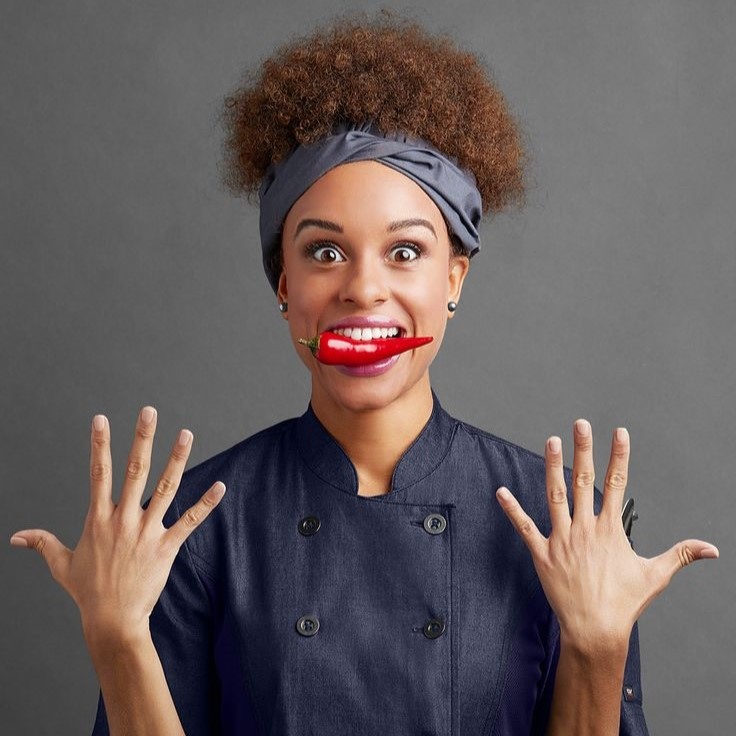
[(18, 541), (148, 414), (503, 494), (99, 422), (583, 427), (554, 444), (710, 553), (219, 488), (184, 436), (622, 434)]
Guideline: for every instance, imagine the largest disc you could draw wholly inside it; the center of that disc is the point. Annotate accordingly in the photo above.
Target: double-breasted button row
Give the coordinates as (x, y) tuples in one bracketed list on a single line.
[(309, 626), (433, 524)]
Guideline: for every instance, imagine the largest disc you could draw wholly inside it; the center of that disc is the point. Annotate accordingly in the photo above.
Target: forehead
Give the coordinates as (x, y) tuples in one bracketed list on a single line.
[(364, 191)]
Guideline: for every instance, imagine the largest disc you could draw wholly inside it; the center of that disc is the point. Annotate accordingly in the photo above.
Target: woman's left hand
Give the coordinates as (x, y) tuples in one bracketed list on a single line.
[(595, 582)]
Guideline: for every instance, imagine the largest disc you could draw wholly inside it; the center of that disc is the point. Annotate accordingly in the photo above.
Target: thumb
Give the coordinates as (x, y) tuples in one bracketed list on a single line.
[(56, 555), (681, 555)]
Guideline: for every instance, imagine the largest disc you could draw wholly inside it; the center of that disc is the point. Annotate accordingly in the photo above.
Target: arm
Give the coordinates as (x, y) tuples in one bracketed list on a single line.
[(136, 694), (118, 571), (596, 584)]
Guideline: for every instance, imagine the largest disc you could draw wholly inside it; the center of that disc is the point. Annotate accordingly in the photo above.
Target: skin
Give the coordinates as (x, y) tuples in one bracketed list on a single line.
[(596, 584)]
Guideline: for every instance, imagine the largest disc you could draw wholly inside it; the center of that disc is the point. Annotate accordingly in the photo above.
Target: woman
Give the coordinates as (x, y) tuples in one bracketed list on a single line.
[(360, 575)]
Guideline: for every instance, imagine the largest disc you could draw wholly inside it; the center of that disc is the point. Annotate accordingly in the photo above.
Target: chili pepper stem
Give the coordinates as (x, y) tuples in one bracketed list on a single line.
[(311, 344)]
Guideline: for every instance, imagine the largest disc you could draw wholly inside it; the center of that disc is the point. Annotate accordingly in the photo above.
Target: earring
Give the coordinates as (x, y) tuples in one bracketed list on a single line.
[(452, 306), (283, 306)]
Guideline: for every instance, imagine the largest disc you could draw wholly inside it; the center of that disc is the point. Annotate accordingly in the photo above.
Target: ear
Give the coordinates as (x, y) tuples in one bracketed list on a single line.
[(459, 267), (282, 293)]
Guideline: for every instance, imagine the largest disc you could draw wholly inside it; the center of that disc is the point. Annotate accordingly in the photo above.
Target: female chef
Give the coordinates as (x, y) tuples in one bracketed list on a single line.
[(361, 575)]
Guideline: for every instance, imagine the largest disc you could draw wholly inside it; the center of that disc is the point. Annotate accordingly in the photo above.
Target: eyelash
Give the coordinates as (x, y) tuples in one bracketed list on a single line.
[(311, 248)]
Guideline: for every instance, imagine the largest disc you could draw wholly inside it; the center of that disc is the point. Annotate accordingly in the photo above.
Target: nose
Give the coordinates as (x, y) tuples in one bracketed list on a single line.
[(366, 283)]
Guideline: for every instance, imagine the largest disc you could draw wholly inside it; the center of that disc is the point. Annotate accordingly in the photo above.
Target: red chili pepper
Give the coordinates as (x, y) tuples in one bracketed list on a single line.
[(333, 349)]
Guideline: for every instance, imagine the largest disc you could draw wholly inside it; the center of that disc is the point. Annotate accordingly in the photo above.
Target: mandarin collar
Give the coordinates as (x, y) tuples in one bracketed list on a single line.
[(326, 458)]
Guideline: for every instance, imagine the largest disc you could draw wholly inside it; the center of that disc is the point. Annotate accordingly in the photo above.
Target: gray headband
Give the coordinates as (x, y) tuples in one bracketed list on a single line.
[(451, 188)]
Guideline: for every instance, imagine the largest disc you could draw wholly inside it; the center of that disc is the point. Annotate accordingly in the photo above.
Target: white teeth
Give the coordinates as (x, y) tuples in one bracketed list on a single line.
[(367, 333)]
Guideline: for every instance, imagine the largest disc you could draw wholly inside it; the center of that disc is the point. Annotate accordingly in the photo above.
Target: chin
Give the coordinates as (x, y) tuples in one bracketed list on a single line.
[(362, 394)]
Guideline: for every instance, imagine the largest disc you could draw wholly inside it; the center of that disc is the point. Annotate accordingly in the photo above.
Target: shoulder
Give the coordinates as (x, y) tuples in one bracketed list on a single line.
[(520, 469), (471, 441), (234, 464)]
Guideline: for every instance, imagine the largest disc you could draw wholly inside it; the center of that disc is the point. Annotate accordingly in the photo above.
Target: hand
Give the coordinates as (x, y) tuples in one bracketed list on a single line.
[(595, 582), (124, 556)]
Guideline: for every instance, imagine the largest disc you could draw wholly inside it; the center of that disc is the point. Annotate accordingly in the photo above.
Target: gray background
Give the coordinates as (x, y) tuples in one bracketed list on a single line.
[(128, 276)]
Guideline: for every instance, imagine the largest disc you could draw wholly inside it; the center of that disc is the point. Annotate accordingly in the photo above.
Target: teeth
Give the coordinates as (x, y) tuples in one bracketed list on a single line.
[(367, 333)]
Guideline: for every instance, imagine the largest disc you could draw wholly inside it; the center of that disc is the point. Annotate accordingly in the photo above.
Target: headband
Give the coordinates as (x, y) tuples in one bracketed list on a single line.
[(451, 188)]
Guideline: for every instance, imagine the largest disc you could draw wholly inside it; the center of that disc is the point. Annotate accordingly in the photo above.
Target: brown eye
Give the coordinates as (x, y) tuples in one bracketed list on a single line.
[(406, 252), (325, 253)]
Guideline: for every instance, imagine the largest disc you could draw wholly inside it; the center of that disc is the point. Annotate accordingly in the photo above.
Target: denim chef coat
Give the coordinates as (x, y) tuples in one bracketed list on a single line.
[(300, 607)]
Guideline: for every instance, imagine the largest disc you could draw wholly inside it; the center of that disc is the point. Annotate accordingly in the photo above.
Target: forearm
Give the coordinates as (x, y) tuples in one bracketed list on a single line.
[(587, 694), (134, 688)]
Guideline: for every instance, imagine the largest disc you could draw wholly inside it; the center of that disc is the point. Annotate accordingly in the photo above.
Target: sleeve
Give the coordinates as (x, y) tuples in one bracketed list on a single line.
[(632, 714), (182, 632)]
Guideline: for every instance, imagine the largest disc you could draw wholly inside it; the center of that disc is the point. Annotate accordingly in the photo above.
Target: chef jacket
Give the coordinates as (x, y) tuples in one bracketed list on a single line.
[(300, 607)]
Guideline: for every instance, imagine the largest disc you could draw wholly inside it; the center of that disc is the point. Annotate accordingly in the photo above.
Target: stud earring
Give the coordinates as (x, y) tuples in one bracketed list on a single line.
[(452, 306), (283, 306)]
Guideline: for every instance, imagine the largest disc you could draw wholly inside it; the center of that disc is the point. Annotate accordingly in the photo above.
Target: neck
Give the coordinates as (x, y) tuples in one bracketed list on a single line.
[(375, 438)]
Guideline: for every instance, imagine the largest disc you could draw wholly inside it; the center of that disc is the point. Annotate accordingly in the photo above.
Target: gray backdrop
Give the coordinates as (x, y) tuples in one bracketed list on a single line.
[(128, 276)]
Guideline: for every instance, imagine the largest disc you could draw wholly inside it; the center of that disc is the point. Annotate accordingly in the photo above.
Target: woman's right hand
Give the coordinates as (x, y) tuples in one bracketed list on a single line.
[(121, 563)]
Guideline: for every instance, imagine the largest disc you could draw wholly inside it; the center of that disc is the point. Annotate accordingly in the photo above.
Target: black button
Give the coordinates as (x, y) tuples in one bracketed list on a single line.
[(309, 525), (307, 625), (629, 693), (434, 628), (435, 523)]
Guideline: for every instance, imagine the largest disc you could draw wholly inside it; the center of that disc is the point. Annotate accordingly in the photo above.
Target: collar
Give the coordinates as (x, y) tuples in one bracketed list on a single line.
[(327, 459)]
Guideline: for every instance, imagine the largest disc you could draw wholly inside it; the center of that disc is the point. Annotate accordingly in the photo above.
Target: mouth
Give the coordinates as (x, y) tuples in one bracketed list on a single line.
[(369, 333)]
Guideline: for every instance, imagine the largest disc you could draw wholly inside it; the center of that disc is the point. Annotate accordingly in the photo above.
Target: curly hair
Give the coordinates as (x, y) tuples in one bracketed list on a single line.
[(390, 71)]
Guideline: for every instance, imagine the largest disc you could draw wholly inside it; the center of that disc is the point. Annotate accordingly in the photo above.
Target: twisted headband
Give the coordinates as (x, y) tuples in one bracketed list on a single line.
[(451, 188)]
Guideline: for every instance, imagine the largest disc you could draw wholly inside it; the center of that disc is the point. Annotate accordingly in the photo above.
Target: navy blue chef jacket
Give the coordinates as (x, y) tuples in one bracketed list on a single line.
[(300, 607)]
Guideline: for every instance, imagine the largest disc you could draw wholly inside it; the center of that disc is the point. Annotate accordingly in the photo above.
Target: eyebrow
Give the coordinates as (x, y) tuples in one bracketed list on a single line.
[(412, 222), (323, 224), (335, 228)]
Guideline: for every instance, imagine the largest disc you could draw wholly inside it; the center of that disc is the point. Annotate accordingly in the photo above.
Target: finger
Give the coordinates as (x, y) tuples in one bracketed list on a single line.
[(196, 514), (556, 489), (168, 484), (583, 473), (679, 556), (55, 554), (139, 459), (523, 523), (614, 487), (100, 466)]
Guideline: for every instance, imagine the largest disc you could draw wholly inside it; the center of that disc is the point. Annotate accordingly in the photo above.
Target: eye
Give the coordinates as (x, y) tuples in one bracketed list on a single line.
[(324, 253), (406, 252)]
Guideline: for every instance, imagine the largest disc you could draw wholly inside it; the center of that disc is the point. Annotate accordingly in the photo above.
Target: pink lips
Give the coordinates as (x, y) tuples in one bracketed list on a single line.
[(371, 369)]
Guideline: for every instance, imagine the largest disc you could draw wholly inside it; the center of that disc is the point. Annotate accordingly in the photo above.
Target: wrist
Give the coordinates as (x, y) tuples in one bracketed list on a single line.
[(596, 649), (105, 638)]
